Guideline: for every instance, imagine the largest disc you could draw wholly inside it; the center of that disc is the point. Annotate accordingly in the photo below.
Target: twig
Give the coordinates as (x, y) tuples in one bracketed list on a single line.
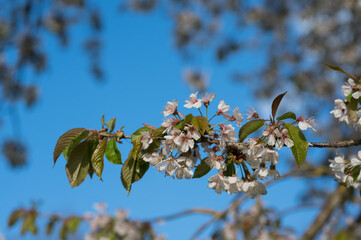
[(340, 144), (334, 200), (185, 213)]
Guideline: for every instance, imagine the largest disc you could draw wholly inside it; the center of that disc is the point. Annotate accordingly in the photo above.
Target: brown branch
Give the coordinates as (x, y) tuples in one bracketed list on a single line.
[(305, 171), (185, 213), (334, 200), (341, 144)]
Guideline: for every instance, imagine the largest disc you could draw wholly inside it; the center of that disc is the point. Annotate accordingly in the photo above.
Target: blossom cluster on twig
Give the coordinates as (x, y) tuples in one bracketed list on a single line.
[(240, 168)]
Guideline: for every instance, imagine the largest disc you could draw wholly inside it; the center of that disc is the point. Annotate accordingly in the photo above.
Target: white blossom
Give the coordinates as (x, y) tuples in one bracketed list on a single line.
[(340, 111), (213, 161), (183, 172), (184, 142), (237, 116), (193, 131), (153, 158), (284, 139), (147, 139), (233, 184), (223, 109), (251, 114), (271, 155), (169, 124), (270, 132), (171, 108), (304, 123), (338, 164), (193, 101), (207, 98), (348, 87), (217, 182), (254, 188)]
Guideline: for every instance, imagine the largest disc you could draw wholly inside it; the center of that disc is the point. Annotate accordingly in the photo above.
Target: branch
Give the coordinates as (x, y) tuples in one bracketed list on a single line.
[(332, 202), (306, 171), (185, 213), (341, 144)]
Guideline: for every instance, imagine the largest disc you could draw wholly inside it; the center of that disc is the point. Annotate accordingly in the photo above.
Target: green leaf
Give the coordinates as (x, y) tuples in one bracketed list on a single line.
[(349, 97), (78, 164), (51, 223), (230, 170), (73, 223), (141, 168), (138, 134), (70, 225), (15, 216), (276, 102), (335, 68), (127, 172), (249, 128), (287, 115), (97, 158), (137, 138), (74, 143), (65, 140), (111, 124), (29, 223), (158, 133), (112, 153), (300, 146), (201, 123), (352, 108), (186, 120), (202, 169), (102, 121)]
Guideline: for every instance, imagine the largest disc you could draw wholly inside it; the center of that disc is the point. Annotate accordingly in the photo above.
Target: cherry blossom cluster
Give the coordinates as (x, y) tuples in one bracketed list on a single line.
[(347, 172), (349, 110), (104, 226), (240, 166)]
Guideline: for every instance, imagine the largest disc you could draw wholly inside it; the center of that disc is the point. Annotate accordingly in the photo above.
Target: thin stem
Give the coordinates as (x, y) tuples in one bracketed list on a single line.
[(219, 123), (200, 112), (207, 112), (212, 117)]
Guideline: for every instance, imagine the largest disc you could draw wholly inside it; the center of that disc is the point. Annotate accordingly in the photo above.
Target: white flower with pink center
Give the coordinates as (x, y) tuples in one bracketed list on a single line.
[(341, 111), (304, 123), (184, 142), (271, 133), (251, 114), (233, 184), (348, 87), (171, 108), (147, 139), (169, 124), (223, 108), (217, 182), (213, 161), (153, 158), (227, 134), (171, 166), (183, 172), (193, 131), (207, 98), (284, 139), (193, 101), (237, 116)]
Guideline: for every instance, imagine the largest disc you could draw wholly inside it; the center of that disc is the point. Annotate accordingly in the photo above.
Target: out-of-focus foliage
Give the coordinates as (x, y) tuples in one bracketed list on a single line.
[(24, 27), (101, 224), (293, 37)]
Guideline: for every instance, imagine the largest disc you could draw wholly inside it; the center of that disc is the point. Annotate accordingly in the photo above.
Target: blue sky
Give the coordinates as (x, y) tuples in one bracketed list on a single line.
[(143, 71)]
